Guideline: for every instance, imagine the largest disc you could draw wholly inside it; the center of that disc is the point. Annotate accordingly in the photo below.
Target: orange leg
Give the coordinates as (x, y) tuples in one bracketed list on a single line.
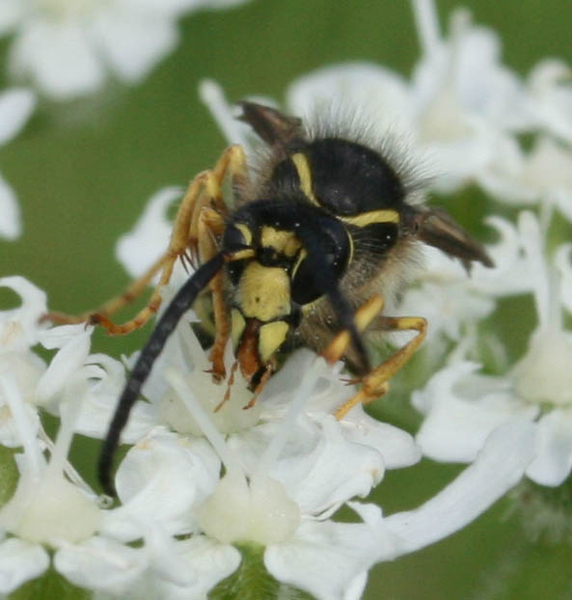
[(203, 191), (131, 292), (210, 227), (376, 383)]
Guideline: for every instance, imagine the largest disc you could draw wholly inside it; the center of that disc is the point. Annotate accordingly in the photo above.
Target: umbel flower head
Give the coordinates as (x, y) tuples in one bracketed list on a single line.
[(462, 407), (285, 475), (205, 498), (124, 38)]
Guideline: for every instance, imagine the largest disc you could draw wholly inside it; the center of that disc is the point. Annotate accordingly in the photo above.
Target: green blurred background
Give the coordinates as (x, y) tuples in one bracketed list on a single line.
[(84, 170)]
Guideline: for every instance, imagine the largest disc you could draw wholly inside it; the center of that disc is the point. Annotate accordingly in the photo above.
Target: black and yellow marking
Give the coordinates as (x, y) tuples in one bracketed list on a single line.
[(270, 337), (264, 292), (373, 217), (305, 176), (281, 241), (246, 233)]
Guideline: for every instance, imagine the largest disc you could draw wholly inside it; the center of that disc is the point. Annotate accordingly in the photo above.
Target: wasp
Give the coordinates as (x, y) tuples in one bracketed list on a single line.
[(318, 238)]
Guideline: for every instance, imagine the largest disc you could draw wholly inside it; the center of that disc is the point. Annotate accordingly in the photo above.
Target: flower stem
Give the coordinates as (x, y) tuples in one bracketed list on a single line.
[(49, 586), (251, 581)]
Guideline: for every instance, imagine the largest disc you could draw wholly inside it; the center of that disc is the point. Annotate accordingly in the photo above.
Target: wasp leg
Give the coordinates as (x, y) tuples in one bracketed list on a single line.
[(233, 161), (376, 383), (131, 292), (210, 227), (204, 189), (364, 315)]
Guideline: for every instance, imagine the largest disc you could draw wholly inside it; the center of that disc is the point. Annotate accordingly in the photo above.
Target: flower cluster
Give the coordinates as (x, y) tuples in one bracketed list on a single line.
[(68, 48), (288, 468), (205, 486)]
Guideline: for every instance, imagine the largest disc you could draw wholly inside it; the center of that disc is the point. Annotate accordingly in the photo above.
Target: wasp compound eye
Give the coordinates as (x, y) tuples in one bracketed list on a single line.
[(334, 255)]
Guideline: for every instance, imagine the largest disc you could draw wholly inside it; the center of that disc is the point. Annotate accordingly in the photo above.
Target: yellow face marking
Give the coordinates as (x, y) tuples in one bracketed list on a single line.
[(246, 233), (371, 217), (305, 176), (264, 292), (284, 242), (237, 325), (242, 254), (270, 338)]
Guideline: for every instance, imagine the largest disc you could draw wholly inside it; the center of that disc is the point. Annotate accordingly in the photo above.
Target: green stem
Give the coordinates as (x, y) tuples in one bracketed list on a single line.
[(251, 581), (50, 586)]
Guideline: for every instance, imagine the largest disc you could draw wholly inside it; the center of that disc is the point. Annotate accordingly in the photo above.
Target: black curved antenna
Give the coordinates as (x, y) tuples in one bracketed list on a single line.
[(163, 329)]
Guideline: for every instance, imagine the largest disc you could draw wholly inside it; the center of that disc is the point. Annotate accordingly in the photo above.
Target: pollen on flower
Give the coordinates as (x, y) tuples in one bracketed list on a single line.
[(257, 511)]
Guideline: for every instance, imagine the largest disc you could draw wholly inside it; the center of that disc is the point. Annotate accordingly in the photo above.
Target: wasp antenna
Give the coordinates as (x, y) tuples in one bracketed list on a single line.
[(437, 228), (270, 124), (165, 326)]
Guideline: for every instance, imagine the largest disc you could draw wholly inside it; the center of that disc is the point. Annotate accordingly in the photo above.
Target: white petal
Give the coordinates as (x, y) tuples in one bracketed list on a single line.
[(550, 101), (499, 466), (211, 561), (320, 469), (16, 105), (355, 86), (554, 448), (58, 337), (106, 380), (224, 115), (20, 562), (329, 559), (19, 327), (165, 556), (510, 273), (9, 432), (65, 364), (456, 425), (396, 446), (134, 43), (11, 11), (101, 564), (162, 478), (10, 219), (58, 56), (149, 238), (563, 261)]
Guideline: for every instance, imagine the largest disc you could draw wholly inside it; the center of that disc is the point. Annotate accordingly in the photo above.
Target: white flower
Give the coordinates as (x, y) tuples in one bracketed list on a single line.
[(73, 374), (458, 109), (462, 408), (284, 479), (19, 331), (540, 175), (454, 301), (46, 509), (138, 249), (67, 47), (16, 105), (549, 101)]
